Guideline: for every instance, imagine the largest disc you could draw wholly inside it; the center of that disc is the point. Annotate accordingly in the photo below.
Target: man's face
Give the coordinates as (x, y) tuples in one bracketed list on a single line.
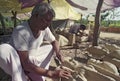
[(44, 21)]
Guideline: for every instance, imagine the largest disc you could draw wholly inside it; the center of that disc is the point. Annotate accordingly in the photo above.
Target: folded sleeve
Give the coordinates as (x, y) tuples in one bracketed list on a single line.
[(48, 35)]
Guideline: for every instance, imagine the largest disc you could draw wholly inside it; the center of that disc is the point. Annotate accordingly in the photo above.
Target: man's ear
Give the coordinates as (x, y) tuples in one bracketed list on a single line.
[(35, 15)]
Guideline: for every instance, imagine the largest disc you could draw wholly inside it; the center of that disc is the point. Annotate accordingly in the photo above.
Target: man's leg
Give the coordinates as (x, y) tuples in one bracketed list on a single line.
[(10, 62)]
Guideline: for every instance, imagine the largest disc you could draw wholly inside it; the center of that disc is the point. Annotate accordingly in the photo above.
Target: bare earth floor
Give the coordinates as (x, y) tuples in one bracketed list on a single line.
[(69, 51)]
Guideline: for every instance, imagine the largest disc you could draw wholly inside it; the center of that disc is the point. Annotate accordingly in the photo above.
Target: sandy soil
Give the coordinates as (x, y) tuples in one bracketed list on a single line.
[(115, 36), (73, 52)]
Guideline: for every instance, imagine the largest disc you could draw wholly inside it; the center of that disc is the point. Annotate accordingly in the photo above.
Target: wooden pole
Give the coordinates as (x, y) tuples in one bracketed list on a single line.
[(97, 24), (2, 23), (14, 17)]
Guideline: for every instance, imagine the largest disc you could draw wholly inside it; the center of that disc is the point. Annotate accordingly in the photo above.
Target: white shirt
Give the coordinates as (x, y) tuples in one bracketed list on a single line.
[(22, 38)]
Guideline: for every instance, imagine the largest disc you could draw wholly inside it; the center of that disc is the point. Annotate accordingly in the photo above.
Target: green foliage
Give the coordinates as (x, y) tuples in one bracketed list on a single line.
[(110, 23), (103, 17), (82, 21), (9, 23)]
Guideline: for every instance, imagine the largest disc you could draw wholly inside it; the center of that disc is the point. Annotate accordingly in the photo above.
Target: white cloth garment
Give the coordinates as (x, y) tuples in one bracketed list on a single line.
[(10, 63), (23, 40), (40, 57)]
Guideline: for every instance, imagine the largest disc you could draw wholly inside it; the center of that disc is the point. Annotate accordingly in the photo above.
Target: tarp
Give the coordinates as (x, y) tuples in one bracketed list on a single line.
[(6, 6), (29, 3), (84, 6), (91, 5), (64, 11), (81, 6)]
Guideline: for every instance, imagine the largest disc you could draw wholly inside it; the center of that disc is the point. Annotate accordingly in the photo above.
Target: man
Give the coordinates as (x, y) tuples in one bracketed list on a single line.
[(80, 32), (77, 29), (74, 29), (25, 53)]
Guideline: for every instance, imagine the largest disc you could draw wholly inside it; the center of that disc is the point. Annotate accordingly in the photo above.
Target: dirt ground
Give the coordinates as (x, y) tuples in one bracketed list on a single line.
[(113, 38)]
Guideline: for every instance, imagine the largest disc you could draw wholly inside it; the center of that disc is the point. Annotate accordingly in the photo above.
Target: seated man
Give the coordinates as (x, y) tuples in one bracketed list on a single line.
[(25, 53)]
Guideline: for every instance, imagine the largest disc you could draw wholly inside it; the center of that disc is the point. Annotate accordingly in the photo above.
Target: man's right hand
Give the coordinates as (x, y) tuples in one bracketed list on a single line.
[(60, 74)]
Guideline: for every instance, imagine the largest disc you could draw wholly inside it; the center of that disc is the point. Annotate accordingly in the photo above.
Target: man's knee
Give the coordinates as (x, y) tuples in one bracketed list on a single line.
[(6, 50), (5, 47)]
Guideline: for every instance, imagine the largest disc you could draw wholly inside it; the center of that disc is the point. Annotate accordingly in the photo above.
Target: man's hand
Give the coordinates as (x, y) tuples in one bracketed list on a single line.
[(61, 73), (60, 57)]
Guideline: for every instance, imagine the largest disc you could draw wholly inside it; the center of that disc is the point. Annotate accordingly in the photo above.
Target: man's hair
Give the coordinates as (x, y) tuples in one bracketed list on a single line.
[(42, 9), (82, 27)]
